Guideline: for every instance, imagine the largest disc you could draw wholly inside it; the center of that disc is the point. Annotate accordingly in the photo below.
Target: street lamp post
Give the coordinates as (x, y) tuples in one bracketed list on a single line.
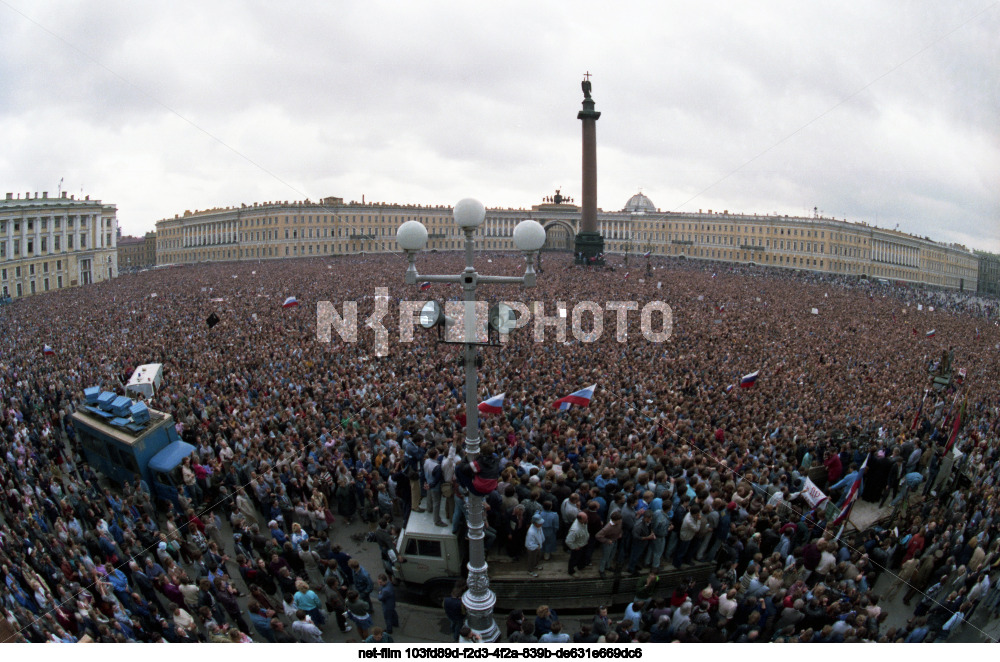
[(529, 237)]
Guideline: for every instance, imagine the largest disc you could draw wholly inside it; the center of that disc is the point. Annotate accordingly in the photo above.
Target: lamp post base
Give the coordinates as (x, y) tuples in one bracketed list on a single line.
[(589, 248), (479, 601)]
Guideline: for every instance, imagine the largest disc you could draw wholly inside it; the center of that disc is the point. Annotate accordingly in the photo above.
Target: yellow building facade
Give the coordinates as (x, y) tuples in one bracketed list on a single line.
[(275, 230), (53, 243)]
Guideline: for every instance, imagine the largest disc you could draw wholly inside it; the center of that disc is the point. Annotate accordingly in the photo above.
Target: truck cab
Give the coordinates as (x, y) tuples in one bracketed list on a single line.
[(164, 471), (430, 560)]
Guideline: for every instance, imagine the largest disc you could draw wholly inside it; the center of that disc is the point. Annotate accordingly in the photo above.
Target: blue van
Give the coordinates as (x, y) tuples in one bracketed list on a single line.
[(121, 448)]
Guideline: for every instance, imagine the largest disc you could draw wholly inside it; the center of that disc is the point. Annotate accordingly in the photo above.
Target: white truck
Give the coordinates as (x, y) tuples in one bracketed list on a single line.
[(146, 379), (431, 562)]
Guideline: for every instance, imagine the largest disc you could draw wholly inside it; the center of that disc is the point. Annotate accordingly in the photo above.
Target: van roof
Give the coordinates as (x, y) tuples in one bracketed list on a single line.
[(122, 435), (422, 525)]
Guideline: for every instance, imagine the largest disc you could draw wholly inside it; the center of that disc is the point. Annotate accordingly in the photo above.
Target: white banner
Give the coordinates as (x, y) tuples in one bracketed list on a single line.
[(812, 494)]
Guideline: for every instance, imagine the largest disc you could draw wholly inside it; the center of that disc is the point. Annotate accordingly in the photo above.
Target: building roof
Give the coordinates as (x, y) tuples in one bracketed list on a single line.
[(639, 203), (131, 241)]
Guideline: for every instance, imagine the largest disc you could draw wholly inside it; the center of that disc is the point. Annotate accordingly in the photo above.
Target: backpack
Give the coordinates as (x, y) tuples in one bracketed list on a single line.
[(436, 476)]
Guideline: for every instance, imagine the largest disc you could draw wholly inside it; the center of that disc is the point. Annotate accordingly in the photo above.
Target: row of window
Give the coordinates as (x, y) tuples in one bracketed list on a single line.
[(618, 230), (290, 251), (44, 223), (43, 245), (32, 288), (31, 270)]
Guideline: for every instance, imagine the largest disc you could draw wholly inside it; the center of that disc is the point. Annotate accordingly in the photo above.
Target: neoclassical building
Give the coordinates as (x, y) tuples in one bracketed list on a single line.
[(53, 243), (135, 253), (274, 230)]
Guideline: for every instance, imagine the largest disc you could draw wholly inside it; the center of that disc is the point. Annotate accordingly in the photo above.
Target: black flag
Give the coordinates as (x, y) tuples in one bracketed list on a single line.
[(212, 320)]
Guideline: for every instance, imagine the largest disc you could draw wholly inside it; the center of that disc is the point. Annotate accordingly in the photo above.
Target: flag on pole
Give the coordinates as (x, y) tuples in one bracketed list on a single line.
[(749, 380), (579, 398), (729, 388), (956, 427), (626, 275), (931, 333), (426, 285), (290, 302), (647, 253), (48, 351), (493, 405), (852, 496)]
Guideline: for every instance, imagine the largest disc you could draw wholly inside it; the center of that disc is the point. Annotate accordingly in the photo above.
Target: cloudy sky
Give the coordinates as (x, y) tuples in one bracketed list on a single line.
[(884, 112)]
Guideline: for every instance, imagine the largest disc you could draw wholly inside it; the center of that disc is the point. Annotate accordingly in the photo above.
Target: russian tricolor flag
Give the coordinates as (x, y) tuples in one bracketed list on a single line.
[(931, 333), (580, 398), (852, 495), (729, 388), (425, 286), (493, 405), (749, 380), (647, 253), (48, 351), (290, 302)]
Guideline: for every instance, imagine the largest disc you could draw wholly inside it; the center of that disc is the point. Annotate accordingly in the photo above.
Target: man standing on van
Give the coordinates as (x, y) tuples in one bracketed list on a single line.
[(433, 478), (576, 540), (414, 455)]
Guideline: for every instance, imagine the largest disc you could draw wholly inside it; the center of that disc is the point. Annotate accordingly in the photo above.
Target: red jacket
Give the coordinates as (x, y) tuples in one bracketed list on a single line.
[(834, 468)]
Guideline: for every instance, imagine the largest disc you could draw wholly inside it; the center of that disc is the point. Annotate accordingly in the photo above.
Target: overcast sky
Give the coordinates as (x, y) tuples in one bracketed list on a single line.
[(884, 112)]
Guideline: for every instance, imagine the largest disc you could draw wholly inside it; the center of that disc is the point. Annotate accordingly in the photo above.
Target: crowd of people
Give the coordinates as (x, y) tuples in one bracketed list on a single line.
[(296, 437)]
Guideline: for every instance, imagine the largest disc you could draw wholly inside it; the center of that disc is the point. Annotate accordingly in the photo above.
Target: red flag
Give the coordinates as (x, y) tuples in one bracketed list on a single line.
[(955, 427)]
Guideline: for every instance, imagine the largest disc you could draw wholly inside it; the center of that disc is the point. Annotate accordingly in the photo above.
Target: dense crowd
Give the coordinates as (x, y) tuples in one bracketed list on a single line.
[(296, 437)]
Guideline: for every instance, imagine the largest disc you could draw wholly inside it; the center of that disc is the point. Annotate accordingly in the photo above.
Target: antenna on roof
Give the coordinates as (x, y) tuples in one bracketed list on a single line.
[(59, 189)]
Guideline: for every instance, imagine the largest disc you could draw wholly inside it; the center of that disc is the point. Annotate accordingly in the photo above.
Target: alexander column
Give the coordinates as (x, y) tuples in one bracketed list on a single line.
[(589, 242)]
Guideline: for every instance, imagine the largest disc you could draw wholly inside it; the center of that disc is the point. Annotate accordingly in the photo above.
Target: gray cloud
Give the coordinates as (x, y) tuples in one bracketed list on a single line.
[(755, 108)]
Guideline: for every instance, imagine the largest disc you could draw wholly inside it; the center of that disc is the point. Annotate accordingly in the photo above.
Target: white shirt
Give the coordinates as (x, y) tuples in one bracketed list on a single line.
[(569, 512), (307, 632), (535, 538)]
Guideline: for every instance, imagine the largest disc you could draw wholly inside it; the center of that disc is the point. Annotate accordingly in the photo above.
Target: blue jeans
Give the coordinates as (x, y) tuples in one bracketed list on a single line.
[(456, 628), (624, 549), (551, 540), (656, 551), (607, 554), (680, 555), (638, 550), (671, 545)]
